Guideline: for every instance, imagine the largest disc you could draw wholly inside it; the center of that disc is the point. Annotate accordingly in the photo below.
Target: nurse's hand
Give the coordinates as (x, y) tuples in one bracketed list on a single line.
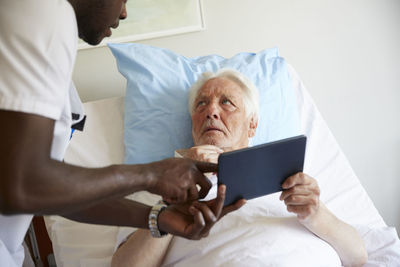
[(194, 220), (175, 179)]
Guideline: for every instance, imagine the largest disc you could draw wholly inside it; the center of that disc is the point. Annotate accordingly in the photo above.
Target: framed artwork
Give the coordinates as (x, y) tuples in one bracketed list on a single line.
[(155, 18)]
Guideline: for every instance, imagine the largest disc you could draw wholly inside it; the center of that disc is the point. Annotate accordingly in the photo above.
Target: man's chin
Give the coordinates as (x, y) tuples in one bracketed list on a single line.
[(212, 141), (92, 40)]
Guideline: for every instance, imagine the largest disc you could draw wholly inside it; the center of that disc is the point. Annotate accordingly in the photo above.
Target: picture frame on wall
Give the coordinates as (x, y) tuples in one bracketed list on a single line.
[(149, 19)]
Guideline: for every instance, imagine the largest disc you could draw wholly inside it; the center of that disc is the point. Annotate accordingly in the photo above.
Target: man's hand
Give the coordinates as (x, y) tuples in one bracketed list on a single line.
[(194, 220), (175, 179), (301, 196), (207, 153)]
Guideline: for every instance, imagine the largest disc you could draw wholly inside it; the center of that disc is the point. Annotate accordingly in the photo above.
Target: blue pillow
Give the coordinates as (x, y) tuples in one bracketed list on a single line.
[(157, 120)]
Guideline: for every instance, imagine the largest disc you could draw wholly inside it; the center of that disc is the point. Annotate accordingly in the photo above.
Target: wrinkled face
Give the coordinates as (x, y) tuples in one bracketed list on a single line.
[(97, 17), (219, 116)]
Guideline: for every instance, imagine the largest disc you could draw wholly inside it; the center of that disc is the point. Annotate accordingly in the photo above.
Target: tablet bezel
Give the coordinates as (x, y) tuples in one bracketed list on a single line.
[(266, 166)]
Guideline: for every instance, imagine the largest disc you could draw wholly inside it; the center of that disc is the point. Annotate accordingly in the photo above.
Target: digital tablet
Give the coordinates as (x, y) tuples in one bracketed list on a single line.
[(260, 170)]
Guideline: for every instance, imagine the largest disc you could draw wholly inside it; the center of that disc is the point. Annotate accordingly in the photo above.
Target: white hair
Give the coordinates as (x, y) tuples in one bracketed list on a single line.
[(250, 91)]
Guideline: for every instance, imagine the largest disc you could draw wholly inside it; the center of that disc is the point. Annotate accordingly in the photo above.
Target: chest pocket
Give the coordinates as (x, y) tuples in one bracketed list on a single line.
[(77, 112)]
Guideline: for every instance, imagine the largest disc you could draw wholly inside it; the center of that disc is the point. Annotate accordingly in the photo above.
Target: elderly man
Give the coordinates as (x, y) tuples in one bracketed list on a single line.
[(224, 110)]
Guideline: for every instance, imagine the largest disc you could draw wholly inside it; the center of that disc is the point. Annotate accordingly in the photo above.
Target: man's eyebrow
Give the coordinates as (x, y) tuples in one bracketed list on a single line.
[(230, 96), (200, 96)]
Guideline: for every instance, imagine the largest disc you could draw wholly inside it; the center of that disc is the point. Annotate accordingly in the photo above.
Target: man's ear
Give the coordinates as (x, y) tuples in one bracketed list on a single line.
[(253, 126)]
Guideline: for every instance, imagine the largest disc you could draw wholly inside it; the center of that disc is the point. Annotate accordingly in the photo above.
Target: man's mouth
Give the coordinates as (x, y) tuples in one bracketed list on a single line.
[(115, 25), (211, 129)]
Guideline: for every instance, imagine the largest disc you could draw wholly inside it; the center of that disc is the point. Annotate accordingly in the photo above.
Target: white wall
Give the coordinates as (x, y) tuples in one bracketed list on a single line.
[(346, 52)]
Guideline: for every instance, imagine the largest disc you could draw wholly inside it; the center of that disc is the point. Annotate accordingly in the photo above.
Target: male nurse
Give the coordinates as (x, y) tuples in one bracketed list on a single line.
[(39, 106)]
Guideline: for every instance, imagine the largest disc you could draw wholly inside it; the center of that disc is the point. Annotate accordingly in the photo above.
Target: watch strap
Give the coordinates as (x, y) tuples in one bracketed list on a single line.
[(153, 220)]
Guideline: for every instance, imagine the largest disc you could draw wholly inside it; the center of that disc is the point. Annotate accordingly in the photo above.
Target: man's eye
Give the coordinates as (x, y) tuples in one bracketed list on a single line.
[(226, 101), (201, 103)]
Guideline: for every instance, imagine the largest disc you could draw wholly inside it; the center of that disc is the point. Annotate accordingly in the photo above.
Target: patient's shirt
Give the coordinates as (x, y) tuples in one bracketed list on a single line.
[(38, 41)]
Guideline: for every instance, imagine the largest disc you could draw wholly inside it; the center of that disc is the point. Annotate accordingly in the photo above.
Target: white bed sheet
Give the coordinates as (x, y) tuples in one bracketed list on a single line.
[(101, 144)]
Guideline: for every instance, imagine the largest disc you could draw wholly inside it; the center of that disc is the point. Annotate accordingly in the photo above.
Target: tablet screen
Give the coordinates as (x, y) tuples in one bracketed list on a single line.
[(260, 170)]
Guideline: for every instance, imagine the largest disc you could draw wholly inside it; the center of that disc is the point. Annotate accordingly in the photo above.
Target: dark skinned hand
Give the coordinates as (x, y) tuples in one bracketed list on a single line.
[(175, 179), (194, 220)]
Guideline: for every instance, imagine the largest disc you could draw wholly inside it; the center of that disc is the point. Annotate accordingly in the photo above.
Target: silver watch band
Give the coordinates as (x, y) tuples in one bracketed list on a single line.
[(153, 220)]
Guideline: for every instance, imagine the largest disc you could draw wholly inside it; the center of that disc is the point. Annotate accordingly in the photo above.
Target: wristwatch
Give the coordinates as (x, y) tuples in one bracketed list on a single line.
[(153, 220)]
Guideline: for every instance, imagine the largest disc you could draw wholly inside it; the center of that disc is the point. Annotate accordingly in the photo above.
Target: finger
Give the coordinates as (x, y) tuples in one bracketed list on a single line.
[(205, 234), (173, 195), (203, 154), (212, 157), (207, 150), (296, 179), (219, 201), (208, 215), (227, 149), (206, 166), (198, 224), (210, 148), (217, 149), (205, 185), (179, 196), (193, 194), (311, 189), (295, 190), (302, 200), (235, 206), (182, 197)]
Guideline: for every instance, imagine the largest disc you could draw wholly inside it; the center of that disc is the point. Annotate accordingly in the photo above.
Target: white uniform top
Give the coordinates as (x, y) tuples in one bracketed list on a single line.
[(38, 41)]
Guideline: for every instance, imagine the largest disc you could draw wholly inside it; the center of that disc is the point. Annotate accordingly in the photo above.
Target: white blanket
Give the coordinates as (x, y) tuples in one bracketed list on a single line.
[(257, 235)]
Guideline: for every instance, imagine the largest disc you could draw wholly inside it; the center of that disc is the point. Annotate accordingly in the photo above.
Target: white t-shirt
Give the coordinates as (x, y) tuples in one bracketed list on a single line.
[(38, 41)]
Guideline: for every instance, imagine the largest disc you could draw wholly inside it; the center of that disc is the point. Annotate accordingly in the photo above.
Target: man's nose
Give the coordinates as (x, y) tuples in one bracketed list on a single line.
[(212, 111)]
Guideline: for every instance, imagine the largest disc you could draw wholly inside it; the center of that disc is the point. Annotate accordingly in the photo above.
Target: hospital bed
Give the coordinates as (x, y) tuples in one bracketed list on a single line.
[(101, 144)]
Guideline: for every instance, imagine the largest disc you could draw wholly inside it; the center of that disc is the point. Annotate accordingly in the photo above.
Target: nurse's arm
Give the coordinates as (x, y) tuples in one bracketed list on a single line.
[(31, 182)]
